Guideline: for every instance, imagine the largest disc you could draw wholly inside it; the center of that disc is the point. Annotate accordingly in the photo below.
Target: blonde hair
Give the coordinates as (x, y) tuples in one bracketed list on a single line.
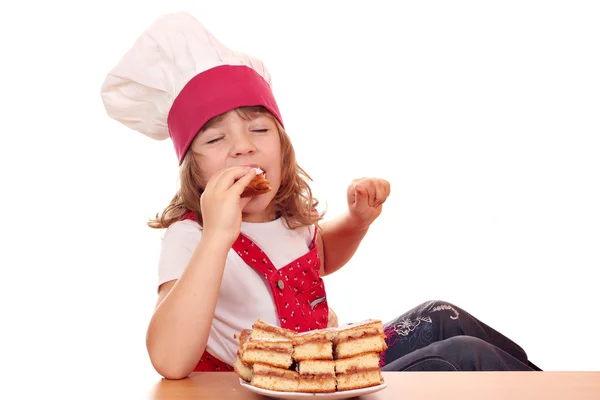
[(294, 200)]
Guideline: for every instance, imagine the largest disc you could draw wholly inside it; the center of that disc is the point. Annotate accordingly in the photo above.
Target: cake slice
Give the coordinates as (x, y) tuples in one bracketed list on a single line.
[(243, 369), (261, 329), (273, 378), (274, 352), (358, 372), (258, 185), (316, 376), (314, 345), (358, 338)]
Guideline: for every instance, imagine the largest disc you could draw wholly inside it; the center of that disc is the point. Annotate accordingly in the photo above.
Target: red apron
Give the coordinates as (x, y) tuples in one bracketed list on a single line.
[(298, 291)]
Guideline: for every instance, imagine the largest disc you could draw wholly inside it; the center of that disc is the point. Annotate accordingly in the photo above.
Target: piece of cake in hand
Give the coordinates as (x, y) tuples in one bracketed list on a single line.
[(258, 185), (261, 329), (274, 352), (359, 338), (316, 376), (243, 369), (314, 345), (273, 378), (358, 371)]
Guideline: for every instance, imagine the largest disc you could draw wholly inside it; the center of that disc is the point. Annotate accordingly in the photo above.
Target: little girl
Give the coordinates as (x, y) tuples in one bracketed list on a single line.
[(228, 260)]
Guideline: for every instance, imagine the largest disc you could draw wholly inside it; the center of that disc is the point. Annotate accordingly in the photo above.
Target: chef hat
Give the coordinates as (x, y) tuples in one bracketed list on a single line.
[(177, 76)]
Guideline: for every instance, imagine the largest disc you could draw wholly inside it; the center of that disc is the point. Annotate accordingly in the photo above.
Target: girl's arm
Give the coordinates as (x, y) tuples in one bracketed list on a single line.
[(339, 238), (179, 329), (337, 241)]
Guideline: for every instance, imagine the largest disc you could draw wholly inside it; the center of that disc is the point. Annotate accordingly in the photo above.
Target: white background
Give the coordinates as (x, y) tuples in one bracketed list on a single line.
[(484, 118)]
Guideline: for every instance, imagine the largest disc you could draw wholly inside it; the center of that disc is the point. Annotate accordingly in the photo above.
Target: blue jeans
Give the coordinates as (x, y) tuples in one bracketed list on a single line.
[(438, 336)]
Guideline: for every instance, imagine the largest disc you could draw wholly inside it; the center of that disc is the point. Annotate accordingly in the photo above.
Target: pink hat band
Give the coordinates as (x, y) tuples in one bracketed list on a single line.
[(214, 92)]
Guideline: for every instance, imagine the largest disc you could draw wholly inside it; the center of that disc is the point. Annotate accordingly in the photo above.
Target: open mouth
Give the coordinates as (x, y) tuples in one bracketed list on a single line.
[(259, 170), (259, 185)]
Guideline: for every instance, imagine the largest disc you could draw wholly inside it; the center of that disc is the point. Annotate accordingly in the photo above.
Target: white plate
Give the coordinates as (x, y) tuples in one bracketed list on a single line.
[(346, 394)]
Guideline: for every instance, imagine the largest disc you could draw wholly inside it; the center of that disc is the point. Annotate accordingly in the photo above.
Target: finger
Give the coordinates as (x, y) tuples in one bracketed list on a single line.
[(380, 194), (351, 193), (388, 189), (385, 185), (225, 178), (371, 190), (361, 197), (239, 186)]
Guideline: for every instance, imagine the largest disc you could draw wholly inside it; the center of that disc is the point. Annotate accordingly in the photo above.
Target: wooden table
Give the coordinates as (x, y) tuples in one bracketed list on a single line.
[(413, 385)]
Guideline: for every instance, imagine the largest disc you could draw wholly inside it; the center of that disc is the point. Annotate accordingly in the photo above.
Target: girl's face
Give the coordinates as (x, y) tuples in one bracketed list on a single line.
[(231, 140)]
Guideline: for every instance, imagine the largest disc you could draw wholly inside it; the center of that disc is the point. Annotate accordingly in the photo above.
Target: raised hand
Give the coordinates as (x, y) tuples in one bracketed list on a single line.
[(365, 199), (221, 203)]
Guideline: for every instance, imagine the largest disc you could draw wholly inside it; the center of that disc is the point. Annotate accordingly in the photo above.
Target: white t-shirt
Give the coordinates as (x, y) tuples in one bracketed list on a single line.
[(244, 296)]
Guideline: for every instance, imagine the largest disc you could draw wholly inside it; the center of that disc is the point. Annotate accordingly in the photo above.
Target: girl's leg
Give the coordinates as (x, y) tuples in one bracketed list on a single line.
[(436, 321), (458, 353)]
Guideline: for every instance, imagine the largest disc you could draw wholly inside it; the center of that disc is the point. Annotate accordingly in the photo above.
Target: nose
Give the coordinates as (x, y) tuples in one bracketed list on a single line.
[(242, 145)]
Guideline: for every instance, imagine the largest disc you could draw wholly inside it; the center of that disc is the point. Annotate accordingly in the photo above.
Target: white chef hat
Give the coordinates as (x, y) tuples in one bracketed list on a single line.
[(177, 76)]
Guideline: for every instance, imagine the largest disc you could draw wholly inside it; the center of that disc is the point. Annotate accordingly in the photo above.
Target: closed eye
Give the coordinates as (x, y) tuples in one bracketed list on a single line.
[(260, 130), (214, 140)]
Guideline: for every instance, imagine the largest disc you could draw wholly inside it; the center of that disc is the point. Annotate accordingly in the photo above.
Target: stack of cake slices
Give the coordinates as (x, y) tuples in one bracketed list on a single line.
[(313, 354), (357, 350), (265, 357), (318, 361)]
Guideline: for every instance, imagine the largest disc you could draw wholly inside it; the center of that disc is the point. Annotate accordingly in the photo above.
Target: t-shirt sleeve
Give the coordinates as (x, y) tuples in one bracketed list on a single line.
[(178, 245)]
